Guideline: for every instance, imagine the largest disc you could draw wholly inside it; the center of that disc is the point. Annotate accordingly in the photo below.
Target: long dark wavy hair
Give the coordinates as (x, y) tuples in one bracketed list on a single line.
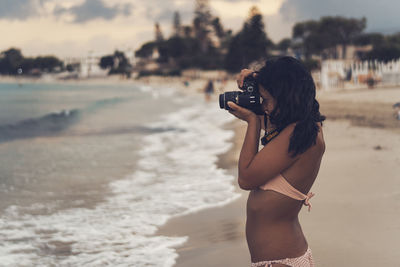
[(291, 84)]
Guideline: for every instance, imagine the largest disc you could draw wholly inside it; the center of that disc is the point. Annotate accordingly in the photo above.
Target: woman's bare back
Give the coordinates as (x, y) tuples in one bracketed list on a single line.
[(272, 228)]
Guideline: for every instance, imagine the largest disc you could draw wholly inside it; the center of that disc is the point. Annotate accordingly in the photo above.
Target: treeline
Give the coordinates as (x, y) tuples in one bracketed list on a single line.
[(12, 62), (206, 44), (320, 38), (116, 63), (385, 47)]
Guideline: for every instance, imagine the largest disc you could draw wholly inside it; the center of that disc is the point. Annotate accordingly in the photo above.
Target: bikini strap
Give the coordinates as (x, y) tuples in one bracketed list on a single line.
[(307, 200)]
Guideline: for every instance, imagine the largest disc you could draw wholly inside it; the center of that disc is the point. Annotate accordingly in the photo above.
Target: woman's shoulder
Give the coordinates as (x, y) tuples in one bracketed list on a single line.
[(289, 129), (318, 146), (285, 136)]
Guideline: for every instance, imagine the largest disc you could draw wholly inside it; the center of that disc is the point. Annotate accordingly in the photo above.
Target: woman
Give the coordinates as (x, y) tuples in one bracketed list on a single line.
[(280, 175)]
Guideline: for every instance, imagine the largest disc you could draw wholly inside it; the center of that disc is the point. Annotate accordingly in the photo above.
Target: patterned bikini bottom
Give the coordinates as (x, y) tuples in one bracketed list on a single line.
[(305, 260)]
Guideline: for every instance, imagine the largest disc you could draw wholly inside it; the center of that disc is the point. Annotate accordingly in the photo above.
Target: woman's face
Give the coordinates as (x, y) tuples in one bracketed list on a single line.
[(268, 102)]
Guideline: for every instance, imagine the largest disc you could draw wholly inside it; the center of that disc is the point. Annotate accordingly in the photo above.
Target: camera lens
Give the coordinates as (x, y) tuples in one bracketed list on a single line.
[(226, 97), (222, 100)]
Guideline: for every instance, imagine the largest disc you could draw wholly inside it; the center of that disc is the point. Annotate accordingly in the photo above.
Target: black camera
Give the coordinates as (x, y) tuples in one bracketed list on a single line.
[(249, 98)]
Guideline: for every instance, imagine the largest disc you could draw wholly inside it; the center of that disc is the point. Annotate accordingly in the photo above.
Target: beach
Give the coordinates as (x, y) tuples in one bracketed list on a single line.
[(125, 150), (90, 170), (116, 149), (355, 216)]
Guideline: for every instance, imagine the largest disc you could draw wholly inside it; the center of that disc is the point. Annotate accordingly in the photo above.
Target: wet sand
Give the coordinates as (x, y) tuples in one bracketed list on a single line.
[(355, 217)]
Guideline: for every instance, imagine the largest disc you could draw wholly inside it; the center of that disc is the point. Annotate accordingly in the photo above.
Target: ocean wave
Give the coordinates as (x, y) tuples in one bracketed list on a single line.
[(49, 124), (57, 122), (105, 103), (176, 175)]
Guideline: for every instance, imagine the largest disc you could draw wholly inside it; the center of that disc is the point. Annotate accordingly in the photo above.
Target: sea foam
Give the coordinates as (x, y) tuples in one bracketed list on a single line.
[(176, 175)]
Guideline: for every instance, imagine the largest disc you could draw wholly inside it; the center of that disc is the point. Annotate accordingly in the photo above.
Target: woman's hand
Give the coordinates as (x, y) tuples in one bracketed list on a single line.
[(243, 74), (242, 113)]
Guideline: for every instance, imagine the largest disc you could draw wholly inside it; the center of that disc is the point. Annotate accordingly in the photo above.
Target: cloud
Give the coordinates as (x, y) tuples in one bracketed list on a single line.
[(94, 9), (229, 8), (166, 15), (19, 9), (381, 15)]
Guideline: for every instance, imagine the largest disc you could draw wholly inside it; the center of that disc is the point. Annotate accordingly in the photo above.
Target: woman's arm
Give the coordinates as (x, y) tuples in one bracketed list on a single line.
[(250, 145), (258, 167)]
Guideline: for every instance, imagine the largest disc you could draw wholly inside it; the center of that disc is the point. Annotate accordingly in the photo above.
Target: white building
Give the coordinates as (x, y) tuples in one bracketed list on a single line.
[(347, 74)]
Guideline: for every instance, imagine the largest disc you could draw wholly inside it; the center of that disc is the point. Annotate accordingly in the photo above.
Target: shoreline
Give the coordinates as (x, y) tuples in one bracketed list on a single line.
[(356, 198), (224, 225), (357, 147), (215, 233)]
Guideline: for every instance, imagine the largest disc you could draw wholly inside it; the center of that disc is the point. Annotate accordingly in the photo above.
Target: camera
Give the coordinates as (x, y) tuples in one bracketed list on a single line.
[(249, 98)]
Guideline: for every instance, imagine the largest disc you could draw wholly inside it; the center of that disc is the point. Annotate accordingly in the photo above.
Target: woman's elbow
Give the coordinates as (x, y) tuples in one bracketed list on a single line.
[(243, 184), (244, 180)]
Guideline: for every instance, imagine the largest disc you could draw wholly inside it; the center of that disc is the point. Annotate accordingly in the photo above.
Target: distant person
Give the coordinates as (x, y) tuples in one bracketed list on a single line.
[(280, 175), (396, 108), (209, 90)]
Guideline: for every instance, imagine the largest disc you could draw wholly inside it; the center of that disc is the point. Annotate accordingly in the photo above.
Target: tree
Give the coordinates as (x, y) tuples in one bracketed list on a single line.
[(11, 60), (47, 63), (146, 50), (27, 65), (117, 63), (121, 64), (107, 62), (307, 37), (317, 36), (72, 67), (385, 49), (202, 23), (250, 44), (395, 38), (385, 52), (234, 59), (341, 30), (158, 34), (187, 31), (369, 39), (176, 47), (254, 38), (284, 44), (218, 28), (177, 24)]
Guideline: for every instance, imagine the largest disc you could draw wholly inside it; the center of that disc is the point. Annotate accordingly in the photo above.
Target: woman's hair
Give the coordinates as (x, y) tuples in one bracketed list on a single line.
[(291, 85)]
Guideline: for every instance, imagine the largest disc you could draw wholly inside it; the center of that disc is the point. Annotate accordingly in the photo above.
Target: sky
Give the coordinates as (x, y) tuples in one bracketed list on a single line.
[(74, 28)]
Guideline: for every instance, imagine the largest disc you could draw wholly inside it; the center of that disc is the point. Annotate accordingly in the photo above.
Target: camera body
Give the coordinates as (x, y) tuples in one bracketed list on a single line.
[(249, 98)]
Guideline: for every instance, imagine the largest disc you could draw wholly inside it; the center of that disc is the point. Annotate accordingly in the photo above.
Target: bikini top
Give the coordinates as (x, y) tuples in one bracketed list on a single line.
[(281, 185)]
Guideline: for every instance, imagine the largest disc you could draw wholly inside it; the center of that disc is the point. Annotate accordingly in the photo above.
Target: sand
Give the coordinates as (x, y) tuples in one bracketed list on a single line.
[(356, 211), (355, 218)]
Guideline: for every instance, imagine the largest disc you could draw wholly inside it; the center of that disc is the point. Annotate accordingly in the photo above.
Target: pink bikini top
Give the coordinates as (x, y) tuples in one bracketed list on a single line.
[(281, 185)]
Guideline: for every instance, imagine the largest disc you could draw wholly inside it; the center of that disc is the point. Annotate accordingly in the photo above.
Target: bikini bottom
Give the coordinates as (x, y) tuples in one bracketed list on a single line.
[(305, 260)]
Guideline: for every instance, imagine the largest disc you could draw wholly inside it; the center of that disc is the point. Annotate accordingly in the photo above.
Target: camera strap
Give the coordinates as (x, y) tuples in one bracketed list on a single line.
[(268, 136)]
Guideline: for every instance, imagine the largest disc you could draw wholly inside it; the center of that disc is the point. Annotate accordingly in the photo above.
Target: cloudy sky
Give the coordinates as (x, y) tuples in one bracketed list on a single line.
[(75, 27)]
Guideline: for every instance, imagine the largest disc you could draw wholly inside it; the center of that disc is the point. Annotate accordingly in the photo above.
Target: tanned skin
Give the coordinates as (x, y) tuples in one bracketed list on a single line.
[(273, 230)]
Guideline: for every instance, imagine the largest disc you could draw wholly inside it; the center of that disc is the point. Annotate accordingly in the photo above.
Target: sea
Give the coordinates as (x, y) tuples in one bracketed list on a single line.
[(89, 173)]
